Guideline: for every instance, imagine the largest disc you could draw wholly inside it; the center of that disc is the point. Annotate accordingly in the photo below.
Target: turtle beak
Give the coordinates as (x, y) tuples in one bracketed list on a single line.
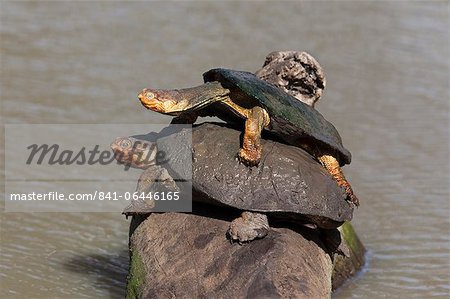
[(114, 144), (141, 95)]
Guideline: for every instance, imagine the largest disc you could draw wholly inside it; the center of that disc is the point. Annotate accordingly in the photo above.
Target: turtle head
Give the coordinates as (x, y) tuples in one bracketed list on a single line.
[(122, 148), (122, 144), (134, 152), (162, 101)]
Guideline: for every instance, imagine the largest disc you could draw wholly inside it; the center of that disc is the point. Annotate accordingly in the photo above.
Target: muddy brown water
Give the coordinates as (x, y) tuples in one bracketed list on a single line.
[(387, 67)]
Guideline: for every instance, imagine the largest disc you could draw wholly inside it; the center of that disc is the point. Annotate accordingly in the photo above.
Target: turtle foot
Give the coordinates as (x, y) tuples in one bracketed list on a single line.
[(249, 157), (248, 227)]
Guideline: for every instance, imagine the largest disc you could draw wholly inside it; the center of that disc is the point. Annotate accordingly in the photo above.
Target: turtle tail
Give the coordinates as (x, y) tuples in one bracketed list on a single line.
[(332, 165)]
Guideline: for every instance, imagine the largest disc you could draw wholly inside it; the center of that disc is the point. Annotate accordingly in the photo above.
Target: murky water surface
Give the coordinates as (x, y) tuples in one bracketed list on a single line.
[(387, 66)]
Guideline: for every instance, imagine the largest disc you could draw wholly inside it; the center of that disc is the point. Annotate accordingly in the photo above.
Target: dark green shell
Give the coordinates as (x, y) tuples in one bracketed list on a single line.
[(292, 120)]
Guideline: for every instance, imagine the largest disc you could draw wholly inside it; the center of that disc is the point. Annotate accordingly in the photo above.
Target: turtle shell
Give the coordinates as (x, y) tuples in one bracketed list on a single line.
[(292, 120), (289, 185)]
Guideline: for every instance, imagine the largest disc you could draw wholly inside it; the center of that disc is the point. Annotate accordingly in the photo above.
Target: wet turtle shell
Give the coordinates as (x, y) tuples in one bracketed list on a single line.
[(290, 185), (293, 121)]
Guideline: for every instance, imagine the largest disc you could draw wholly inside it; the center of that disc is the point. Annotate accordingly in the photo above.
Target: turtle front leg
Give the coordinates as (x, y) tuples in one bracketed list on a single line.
[(248, 227), (332, 165), (251, 150), (187, 118)]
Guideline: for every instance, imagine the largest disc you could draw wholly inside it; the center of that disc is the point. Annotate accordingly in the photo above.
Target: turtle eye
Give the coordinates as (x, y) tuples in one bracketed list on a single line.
[(149, 95), (126, 143)]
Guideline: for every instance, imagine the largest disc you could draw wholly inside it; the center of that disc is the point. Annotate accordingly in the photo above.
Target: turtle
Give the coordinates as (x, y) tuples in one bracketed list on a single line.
[(234, 96), (277, 190)]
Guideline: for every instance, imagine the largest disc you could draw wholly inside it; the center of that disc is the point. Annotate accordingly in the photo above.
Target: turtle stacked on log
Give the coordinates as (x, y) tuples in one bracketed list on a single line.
[(234, 96)]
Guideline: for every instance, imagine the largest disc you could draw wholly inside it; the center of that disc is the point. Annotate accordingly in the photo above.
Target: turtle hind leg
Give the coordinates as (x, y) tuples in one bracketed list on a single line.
[(251, 150), (248, 227), (332, 165)]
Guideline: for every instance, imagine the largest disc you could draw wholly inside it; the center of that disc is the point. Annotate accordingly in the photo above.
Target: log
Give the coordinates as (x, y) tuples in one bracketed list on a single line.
[(177, 255), (302, 266), (346, 267)]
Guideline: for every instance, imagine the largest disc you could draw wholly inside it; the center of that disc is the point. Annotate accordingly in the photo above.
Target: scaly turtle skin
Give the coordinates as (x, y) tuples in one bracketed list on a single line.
[(231, 94)]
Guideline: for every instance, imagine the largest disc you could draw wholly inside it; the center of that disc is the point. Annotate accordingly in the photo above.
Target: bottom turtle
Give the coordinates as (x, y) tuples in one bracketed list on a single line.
[(289, 186)]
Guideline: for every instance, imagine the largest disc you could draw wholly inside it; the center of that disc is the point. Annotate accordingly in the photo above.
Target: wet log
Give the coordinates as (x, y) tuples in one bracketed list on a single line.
[(297, 73), (348, 266), (187, 256), (291, 262)]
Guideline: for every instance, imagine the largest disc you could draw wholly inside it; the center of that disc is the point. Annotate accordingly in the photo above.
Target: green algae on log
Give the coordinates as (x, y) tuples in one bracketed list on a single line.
[(347, 267), (136, 275)]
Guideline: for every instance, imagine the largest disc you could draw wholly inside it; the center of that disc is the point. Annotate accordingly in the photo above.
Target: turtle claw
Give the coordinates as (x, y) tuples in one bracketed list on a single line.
[(249, 157), (353, 199)]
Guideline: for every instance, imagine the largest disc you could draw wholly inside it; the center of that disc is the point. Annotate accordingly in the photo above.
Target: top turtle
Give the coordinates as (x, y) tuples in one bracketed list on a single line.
[(231, 95)]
